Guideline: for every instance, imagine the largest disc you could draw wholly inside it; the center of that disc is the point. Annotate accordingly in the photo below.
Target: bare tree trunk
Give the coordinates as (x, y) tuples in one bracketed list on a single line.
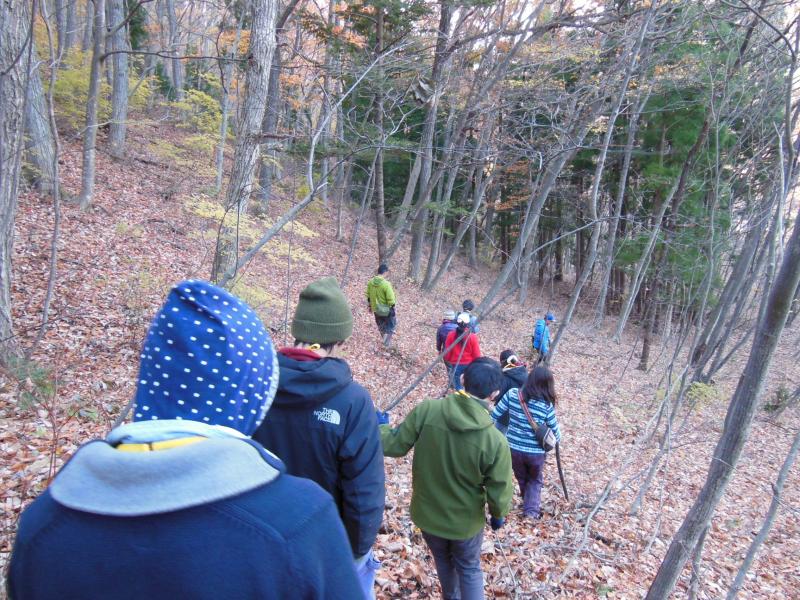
[(426, 142), (378, 195), (41, 146), (620, 198), (739, 283), (227, 76), (269, 128), (553, 168), (88, 26), (737, 422), (69, 35), (697, 561), (674, 198), (174, 45), (481, 184), (262, 46), (61, 24), (119, 90), (15, 25), (777, 490), (90, 132)]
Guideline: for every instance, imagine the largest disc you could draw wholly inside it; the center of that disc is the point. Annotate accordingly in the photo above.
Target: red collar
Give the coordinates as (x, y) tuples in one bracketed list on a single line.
[(300, 354)]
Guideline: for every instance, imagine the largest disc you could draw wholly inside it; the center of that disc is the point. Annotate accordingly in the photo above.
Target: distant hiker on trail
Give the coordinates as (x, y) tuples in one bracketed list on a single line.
[(468, 306), (322, 424), (463, 353), (181, 503), (541, 337), (381, 300), (527, 454), (448, 324), (461, 462), (515, 373)]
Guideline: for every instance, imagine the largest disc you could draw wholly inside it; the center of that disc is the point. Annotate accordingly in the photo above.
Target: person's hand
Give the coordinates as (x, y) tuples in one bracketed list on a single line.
[(383, 417), (497, 522)]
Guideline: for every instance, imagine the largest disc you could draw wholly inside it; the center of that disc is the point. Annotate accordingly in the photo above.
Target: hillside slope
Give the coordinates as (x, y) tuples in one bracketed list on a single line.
[(152, 225)]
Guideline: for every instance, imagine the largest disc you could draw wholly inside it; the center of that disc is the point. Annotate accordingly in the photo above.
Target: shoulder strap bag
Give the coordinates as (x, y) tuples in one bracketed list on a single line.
[(544, 435)]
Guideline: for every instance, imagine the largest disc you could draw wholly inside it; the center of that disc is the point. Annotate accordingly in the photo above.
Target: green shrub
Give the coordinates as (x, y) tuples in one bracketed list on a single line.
[(71, 92), (200, 112)]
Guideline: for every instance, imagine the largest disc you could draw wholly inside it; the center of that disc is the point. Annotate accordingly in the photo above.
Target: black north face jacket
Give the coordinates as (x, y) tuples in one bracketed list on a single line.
[(322, 425)]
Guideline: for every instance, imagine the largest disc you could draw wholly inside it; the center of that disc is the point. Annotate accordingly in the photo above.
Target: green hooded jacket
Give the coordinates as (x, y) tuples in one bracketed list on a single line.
[(379, 290), (461, 463)]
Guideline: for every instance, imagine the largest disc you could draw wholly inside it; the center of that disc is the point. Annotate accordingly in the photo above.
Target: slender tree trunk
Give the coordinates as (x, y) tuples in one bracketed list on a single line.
[(15, 24), (246, 155), (88, 26), (538, 197), (620, 199), (41, 146), (90, 133), (737, 423), (777, 490), (378, 196), (481, 184), (269, 162), (426, 147), (119, 92), (69, 34), (61, 25), (176, 66), (674, 199), (227, 76)]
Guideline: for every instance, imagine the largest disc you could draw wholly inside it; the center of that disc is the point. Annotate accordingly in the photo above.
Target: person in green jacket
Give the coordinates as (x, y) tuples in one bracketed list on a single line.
[(381, 300), (461, 463)]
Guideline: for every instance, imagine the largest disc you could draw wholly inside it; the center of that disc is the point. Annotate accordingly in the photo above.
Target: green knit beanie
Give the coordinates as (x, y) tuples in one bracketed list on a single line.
[(323, 315)]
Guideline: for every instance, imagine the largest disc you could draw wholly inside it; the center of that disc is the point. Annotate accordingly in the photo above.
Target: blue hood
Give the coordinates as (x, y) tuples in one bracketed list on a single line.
[(206, 358), (304, 384)]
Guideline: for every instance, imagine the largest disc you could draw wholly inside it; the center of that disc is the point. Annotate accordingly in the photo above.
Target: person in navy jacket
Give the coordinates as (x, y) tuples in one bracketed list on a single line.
[(323, 424), (181, 503)]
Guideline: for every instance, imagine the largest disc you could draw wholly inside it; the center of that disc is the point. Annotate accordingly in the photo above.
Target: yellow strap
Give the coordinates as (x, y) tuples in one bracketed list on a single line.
[(165, 445)]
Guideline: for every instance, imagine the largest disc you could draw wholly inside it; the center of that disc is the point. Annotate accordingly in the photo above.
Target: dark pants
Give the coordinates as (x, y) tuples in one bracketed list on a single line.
[(455, 376), (458, 564), (386, 324), (529, 471)]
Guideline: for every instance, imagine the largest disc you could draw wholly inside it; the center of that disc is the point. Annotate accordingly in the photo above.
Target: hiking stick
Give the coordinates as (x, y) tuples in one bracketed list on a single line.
[(499, 544), (427, 371), (561, 472)]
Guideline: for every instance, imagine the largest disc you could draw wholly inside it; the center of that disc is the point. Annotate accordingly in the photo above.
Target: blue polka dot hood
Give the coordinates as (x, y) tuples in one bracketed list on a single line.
[(207, 358)]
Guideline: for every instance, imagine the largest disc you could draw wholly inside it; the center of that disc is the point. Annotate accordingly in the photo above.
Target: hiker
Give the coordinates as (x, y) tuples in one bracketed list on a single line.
[(527, 454), (322, 423), (515, 373), (461, 462), (468, 306), (448, 324), (541, 337), (463, 353), (181, 503), (381, 300)]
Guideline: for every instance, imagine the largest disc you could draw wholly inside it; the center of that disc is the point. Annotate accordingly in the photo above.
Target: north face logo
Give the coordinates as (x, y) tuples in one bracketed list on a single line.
[(328, 415)]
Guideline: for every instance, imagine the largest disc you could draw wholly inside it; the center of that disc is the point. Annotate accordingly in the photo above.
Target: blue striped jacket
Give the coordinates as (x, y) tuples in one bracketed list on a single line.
[(520, 433)]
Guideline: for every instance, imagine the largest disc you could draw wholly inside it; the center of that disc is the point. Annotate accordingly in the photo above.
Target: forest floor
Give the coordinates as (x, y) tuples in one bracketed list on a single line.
[(152, 224)]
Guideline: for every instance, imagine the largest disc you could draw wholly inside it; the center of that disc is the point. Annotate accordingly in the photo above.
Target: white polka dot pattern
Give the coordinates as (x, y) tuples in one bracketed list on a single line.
[(195, 365)]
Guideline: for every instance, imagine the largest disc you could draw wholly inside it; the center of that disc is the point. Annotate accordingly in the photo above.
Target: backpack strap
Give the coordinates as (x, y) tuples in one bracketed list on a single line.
[(527, 412)]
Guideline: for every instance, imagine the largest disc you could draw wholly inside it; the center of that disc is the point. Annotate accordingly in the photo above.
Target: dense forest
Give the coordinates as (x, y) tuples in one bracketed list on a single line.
[(631, 165)]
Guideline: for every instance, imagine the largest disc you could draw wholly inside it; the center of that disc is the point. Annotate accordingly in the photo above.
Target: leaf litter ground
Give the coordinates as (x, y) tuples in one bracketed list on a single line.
[(152, 225)]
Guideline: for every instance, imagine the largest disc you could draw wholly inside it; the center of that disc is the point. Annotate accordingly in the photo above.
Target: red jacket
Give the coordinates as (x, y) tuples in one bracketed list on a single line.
[(471, 349)]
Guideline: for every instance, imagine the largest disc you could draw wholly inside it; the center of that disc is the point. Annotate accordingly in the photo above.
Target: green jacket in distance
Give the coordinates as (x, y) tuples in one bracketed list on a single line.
[(379, 291), (461, 463)]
